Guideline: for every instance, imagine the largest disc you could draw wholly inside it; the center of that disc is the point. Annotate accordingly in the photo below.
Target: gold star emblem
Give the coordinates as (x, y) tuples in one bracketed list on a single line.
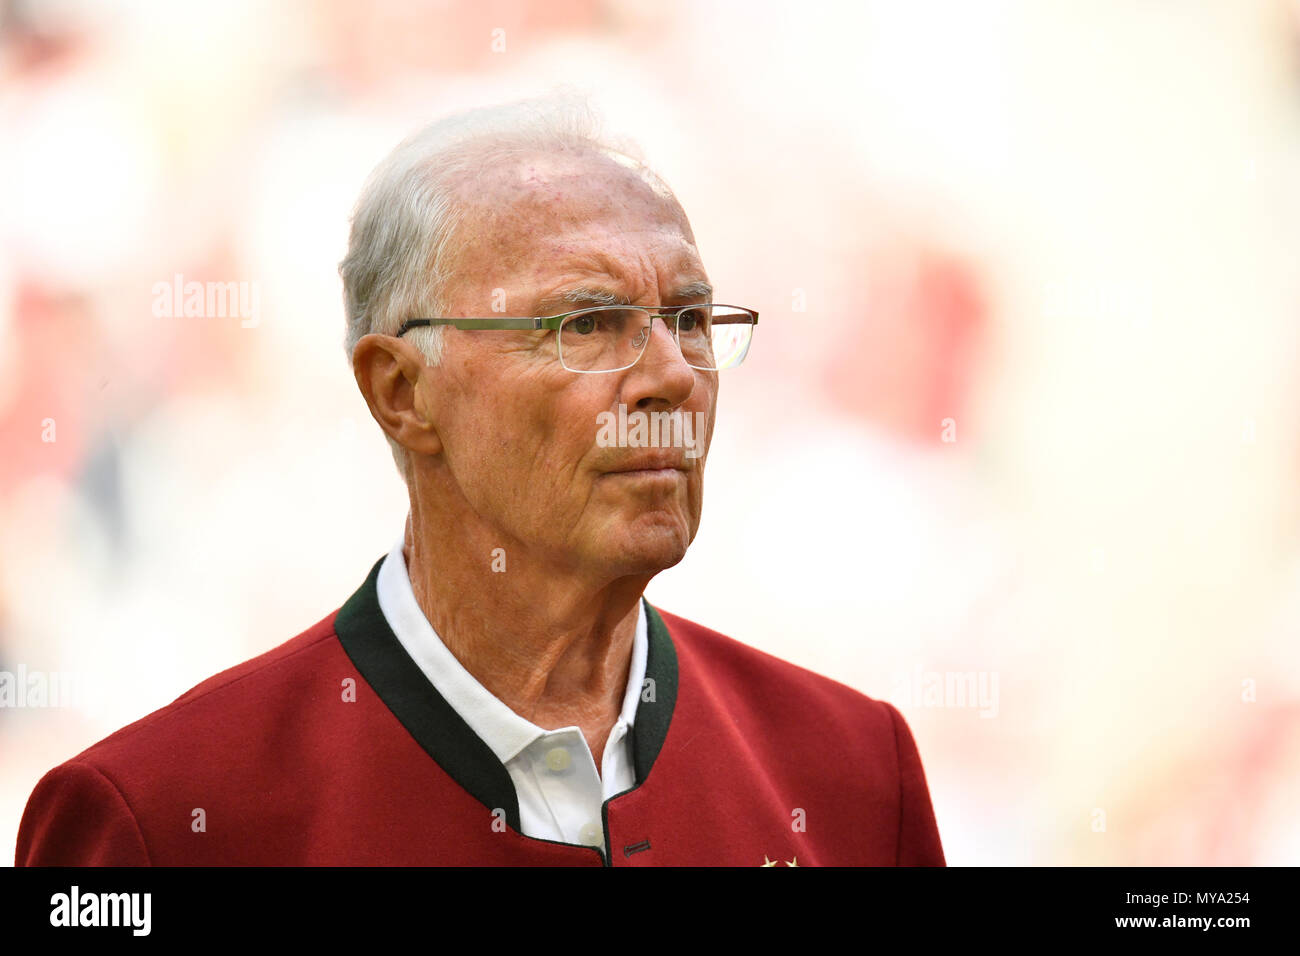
[(767, 862), (794, 862)]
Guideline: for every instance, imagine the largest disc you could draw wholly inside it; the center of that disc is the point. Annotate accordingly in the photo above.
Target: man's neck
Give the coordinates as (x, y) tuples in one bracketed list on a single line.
[(554, 650)]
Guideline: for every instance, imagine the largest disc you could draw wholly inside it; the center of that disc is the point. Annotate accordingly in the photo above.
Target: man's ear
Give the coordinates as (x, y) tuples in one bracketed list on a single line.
[(388, 372)]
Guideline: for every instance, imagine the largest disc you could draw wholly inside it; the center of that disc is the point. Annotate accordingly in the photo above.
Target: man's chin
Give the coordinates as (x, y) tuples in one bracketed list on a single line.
[(646, 550)]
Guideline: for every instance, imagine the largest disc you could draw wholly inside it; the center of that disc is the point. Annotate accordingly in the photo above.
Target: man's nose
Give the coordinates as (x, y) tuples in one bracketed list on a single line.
[(667, 341), (664, 359)]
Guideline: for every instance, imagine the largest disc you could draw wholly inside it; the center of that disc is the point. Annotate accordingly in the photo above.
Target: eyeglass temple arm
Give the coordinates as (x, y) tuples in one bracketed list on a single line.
[(476, 323)]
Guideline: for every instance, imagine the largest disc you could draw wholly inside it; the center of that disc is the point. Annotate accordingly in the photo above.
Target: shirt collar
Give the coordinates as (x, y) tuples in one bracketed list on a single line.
[(505, 732)]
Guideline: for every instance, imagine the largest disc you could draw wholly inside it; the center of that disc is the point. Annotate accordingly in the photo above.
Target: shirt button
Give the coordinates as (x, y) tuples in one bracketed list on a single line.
[(591, 835), (557, 760)]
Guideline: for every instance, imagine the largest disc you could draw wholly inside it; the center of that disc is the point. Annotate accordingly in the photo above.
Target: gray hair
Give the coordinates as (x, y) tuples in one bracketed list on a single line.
[(406, 223)]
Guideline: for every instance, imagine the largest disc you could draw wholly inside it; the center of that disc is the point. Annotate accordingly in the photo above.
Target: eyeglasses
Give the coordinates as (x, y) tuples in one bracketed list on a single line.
[(610, 338)]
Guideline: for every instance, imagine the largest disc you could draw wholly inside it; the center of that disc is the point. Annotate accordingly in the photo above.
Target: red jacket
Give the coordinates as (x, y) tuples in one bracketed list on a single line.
[(740, 759)]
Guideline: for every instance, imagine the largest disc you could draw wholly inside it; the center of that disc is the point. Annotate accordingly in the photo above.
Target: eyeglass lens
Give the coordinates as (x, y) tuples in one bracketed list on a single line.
[(612, 338)]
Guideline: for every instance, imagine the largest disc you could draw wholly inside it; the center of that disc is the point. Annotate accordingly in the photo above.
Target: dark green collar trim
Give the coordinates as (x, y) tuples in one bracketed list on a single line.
[(372, 646), (366, 637), (654, 712)]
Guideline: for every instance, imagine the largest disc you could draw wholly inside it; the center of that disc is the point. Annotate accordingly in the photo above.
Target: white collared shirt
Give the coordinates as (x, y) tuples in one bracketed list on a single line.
[(560, 792)]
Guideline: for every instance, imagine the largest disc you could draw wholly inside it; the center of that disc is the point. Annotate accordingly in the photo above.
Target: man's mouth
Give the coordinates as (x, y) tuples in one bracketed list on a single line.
[(649, 465), (663, 474)]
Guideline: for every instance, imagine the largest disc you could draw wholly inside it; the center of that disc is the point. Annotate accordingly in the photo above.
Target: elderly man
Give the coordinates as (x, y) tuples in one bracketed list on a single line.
[(531, 325)]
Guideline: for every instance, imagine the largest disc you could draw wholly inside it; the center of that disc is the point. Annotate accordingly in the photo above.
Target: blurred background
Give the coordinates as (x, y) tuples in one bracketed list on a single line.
[(1017, 446)]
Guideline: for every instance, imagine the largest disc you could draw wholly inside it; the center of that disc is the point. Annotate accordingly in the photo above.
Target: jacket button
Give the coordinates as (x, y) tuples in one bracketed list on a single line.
[(591, 835)]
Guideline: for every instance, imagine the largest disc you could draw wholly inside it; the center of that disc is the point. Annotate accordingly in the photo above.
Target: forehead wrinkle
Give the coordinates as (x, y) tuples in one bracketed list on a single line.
[(599, 293), (562, 300), (505, 235), (601, 265)]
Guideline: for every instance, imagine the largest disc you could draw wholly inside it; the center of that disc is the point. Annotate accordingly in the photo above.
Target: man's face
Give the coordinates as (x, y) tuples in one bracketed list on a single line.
[(518, 430)]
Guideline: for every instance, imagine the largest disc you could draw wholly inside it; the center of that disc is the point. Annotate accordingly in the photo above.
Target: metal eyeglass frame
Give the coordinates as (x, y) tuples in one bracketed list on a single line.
[(553, 323)]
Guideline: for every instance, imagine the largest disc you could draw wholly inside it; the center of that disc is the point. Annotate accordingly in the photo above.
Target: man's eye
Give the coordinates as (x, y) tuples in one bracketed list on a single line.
[(690, 320), (612, 321)]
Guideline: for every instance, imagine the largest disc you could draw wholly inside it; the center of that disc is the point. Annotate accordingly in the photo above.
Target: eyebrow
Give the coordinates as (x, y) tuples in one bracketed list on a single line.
[(554, 303)]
